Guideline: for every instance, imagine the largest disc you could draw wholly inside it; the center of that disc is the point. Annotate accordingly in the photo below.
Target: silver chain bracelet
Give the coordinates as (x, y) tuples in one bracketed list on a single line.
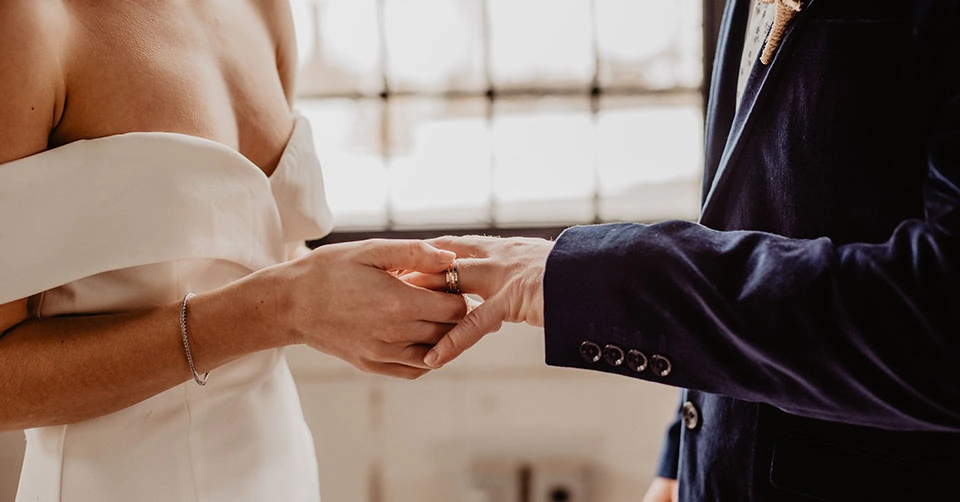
[(186, 341)]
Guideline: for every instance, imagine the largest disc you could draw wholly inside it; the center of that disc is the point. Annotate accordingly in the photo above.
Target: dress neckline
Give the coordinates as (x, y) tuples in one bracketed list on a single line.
[(174, 137), (179, 137), (130, 199)]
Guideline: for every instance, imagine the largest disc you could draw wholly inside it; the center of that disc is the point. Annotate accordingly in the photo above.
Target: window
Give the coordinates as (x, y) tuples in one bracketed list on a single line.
[(503, 114)]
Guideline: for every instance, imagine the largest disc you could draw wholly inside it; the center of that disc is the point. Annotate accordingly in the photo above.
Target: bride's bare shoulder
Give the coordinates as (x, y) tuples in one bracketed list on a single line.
[(31, 76)]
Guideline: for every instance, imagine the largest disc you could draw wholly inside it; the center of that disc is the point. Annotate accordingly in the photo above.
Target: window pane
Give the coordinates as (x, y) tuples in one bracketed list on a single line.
[(339, 44), (536, 154), (543, 160), (439, 162), (541, 43), (347, 133), (435, 45), (649, 158), (649, 43), (690, 44)]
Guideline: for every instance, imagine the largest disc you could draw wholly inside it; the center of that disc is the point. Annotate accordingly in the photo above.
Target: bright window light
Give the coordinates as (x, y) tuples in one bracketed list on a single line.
[(481, 114)]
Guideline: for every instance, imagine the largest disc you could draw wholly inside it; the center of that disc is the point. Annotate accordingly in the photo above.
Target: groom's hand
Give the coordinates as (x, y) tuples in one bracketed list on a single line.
[(346, 300), (506, 273)]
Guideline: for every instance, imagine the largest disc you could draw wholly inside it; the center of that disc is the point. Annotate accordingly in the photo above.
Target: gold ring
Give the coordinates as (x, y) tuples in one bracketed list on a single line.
[(453, 279)]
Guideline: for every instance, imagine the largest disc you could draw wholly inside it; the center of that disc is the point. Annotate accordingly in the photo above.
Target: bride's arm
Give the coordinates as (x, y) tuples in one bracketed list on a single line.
[(67, 369), (340, 299)]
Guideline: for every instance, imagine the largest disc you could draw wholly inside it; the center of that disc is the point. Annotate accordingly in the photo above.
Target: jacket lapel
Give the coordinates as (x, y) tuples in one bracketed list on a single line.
[(759, 89)]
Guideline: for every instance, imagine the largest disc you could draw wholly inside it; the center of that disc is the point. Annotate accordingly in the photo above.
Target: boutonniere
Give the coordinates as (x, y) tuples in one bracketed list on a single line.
[(786, 9)]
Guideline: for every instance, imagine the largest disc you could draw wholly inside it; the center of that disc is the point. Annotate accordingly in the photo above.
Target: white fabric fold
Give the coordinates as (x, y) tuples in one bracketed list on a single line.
[(134, 199), (299, 190)]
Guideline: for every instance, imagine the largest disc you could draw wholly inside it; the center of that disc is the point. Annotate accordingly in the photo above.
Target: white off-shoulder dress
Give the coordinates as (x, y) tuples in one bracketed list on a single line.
[(137, 220)]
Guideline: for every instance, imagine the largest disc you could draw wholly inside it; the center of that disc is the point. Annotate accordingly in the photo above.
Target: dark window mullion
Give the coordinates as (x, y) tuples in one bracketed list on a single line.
[(595, 92), (491, 96), (385, 132)]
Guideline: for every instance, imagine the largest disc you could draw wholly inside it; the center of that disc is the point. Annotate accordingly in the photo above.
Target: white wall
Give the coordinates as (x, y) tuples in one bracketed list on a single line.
[(471, 424)]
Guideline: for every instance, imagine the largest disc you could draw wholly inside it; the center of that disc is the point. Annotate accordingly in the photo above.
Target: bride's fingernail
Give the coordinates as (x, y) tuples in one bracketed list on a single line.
[(447, 256), (431, 359)]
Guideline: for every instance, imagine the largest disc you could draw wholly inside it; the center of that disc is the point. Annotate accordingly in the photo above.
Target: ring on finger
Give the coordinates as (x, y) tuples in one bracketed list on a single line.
[(453, 279)]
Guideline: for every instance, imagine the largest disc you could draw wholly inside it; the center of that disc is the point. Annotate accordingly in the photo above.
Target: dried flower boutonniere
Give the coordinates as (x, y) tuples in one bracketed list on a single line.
[(786, 9)]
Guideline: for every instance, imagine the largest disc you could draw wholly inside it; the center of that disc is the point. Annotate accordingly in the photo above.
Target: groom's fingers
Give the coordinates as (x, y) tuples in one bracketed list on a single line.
[(435, 282), (485, 318)]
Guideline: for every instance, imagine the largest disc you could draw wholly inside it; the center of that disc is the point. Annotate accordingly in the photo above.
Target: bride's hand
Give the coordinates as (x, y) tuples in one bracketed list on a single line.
[(506, 273), (346, 300)]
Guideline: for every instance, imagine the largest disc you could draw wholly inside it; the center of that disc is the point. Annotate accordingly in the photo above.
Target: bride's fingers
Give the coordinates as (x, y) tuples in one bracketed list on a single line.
[(432, 306), (435, 282), (429, 333), (387, 254), (401, 353), (394, 370), (412, 355)]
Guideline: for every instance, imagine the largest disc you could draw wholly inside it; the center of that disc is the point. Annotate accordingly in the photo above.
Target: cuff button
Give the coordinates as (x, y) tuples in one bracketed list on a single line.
[(613, 355), (660, 365), (637, 361), (590, 352), (690, 415)]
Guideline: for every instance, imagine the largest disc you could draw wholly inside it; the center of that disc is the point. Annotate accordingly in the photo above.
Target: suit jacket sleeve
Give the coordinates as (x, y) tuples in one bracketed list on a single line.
[(863, 333)]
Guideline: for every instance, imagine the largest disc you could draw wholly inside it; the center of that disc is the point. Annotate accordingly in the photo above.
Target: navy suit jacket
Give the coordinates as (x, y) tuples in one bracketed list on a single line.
[(814, 311)]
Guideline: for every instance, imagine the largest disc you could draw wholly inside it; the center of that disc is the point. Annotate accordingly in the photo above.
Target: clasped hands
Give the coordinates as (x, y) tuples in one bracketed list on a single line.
[(383, 306), (506, 273)]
